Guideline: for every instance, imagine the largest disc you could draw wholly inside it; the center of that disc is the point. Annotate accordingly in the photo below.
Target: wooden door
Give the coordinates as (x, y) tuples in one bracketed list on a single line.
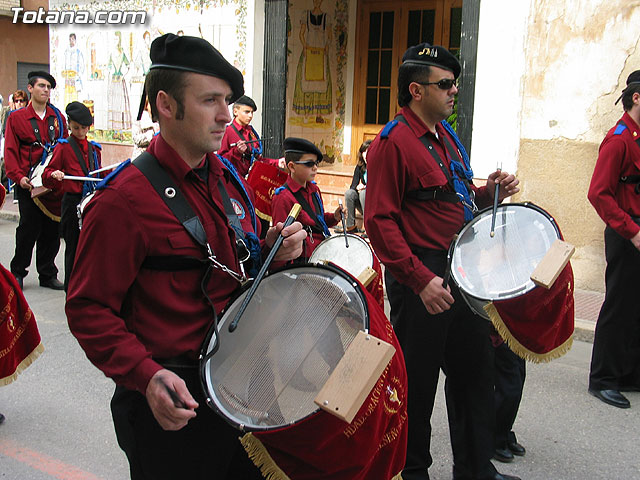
[(385, 29)]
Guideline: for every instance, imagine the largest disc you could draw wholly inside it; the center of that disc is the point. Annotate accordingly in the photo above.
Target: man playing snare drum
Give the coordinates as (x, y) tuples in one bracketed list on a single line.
[(419, 196), (143, 286)]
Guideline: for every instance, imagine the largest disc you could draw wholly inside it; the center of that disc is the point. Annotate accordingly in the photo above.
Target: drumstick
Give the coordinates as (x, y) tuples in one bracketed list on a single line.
[(174, 397), (250, 141), (293, 214), (104, 169), (82, 179), (495, 207), (344, 227)]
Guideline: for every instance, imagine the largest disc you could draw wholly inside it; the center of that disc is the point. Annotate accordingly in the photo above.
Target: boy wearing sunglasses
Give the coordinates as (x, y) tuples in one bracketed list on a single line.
[(302, 159)]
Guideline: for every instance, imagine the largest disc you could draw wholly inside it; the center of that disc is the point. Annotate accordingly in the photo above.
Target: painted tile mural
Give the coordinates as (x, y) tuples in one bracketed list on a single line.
[(104, 67), (317, 42)]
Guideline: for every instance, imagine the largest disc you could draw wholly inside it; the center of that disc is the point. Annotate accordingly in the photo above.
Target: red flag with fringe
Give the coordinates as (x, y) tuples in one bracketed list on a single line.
[(538, 326), (321, 447), (264, 179), (19, 337)]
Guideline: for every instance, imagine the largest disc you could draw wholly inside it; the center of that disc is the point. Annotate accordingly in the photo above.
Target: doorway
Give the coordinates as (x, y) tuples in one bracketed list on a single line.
[(384, 31)]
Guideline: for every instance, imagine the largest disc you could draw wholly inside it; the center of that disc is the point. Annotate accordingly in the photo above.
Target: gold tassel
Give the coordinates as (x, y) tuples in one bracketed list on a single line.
[(46, 211), (261, 458), (23, 365), (519, 349)]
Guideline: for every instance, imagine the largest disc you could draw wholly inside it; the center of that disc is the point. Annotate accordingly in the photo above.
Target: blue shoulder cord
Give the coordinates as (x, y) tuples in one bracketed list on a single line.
[(255, 151), (321, 215), (461, 170)]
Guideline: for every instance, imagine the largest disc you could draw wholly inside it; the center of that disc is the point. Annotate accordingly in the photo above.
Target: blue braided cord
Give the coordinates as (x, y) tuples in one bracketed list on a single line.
[(321, 215), (105, 181), (460, 170), (236, 177)]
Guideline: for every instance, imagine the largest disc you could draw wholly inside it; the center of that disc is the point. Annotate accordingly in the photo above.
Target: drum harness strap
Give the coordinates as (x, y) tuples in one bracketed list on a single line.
[(462, 186), (320, 225), (632, 179), (48, 146), (166, 188), (87, 187), (255, 151)]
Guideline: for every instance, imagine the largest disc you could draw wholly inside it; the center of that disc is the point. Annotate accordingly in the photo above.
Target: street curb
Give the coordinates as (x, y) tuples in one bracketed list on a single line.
[(11, 216), (583, 331)]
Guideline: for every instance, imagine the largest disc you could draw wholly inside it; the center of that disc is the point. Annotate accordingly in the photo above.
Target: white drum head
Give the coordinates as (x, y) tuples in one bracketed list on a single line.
[(295, 330), (353, 259), (499, 267)]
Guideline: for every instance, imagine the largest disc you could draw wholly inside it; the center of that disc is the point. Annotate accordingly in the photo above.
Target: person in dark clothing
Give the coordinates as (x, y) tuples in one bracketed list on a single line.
[(354, 197)]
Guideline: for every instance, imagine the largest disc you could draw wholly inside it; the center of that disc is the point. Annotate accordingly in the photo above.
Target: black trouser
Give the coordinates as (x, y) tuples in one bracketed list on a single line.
[(206, 448), (70, 232), (510, 372), (458, 342), (615, 359), (35, 229)]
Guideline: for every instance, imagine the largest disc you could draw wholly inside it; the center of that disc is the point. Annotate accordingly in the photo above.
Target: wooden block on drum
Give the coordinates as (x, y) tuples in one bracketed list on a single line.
[(552, 264), (367, 276), (355, 375)]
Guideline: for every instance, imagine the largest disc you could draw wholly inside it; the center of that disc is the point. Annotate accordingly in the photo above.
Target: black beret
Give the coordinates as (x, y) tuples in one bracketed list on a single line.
[(193, 54), (633, 78), (432, 55), (42, 74), (79, 112), (248, 101), (300, 145)]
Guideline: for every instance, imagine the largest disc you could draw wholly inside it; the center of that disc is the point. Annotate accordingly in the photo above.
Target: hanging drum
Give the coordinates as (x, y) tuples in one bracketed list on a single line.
[(493, 275), (263, 377)]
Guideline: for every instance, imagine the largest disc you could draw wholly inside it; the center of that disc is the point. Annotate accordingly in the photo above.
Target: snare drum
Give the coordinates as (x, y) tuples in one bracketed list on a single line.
[(36, 177), (489, 268), (293, 333), (82, 205), (264, 376), (355, 259)]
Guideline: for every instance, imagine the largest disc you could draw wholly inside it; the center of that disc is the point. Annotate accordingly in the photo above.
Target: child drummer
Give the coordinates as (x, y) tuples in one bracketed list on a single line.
[(302, 159), (73, 156)]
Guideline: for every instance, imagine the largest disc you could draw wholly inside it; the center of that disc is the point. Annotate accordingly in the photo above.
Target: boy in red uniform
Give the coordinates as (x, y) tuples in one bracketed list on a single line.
[(235, 145), (74, 156), (29, 132), (302, 159)]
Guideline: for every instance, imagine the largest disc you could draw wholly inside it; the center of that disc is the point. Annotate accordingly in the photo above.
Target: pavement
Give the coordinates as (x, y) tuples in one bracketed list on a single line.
[(58, 424)]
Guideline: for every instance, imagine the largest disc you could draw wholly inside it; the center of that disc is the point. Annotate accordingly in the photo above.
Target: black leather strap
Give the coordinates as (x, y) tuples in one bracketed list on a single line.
[(164, 185), (307, 208)]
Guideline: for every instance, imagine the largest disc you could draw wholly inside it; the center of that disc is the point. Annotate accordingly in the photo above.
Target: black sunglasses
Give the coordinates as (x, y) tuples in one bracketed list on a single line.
[(444, 84), (309, 164)]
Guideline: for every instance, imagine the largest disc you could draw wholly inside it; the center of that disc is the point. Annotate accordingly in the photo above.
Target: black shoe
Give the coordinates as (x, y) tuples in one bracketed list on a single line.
[(1, 418), (503, 455), (20, 280), (516, 449), (52, 283), (612, 397), (504, 476)]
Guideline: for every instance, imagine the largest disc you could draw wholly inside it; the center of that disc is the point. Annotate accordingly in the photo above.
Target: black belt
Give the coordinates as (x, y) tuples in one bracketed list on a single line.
[(181, 361), (435, 194)]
